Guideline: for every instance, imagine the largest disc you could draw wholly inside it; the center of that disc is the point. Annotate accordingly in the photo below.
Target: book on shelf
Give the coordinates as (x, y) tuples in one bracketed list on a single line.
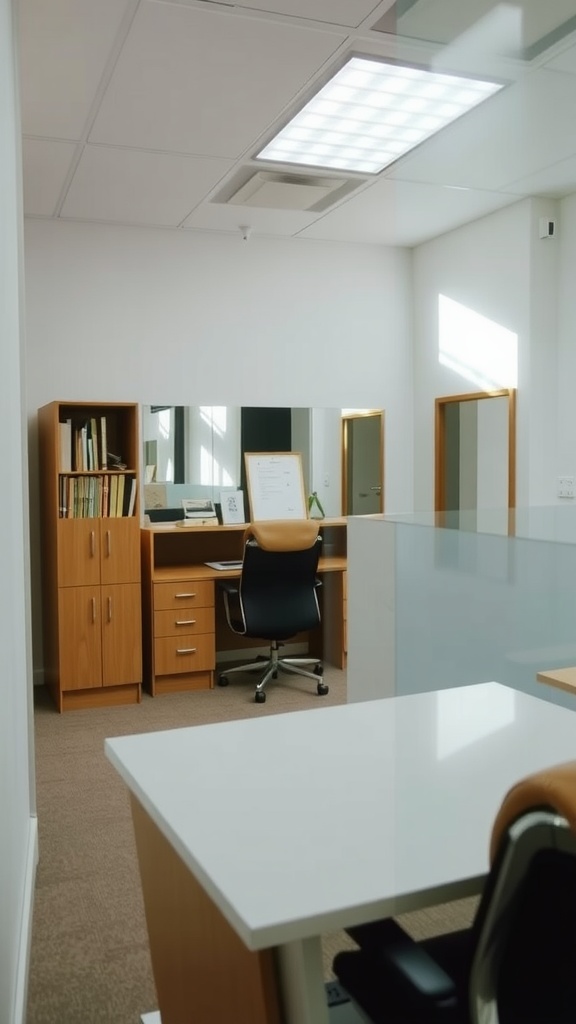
[(113, 495), (120, 495), (132, 497), (103, 442)]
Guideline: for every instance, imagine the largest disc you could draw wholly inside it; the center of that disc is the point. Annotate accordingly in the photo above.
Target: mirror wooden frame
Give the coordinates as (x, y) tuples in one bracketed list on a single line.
[(347, 420), (440, 441)]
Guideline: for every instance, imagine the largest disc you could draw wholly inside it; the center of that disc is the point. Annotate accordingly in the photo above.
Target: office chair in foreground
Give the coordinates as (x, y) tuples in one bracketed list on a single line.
[(517, 963), (276, 597)]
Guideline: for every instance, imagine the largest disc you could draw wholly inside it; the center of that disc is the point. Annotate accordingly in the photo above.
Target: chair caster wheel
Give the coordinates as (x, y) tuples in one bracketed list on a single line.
[(322, 689), (259, 696), (223, 681), (318, 669)]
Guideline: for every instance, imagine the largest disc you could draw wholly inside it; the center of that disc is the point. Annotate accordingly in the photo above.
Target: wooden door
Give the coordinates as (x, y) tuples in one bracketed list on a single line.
[(78, 552), (119, 550), (121, 634), (80, 637)]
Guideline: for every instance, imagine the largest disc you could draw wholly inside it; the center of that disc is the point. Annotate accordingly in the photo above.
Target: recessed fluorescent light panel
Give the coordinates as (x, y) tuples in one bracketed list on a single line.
[(373, 112)]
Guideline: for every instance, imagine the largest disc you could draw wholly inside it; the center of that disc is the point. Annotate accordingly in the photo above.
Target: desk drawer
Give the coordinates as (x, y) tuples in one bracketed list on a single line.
[(184, 594), (188, 653), (183, 620)]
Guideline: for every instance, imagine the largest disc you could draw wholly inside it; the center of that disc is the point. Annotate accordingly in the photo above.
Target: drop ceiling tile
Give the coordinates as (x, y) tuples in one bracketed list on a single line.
[(551, 182), (194, 81), (405, 214), (337, 12), (64, 48), (134, 187), (509, 136), (45, 165), (349, 13)]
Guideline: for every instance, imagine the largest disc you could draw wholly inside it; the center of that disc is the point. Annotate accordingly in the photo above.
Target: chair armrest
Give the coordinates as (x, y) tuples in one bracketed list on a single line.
[(229, 587), (386, 945), (232, 605)]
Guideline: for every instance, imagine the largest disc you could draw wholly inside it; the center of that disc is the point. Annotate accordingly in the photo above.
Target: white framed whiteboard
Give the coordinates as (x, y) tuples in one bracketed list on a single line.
[(275, 485)]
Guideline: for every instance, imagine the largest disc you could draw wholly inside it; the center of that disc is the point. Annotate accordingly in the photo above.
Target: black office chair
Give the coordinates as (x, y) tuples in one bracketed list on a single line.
[(517, 963), (276, 597)]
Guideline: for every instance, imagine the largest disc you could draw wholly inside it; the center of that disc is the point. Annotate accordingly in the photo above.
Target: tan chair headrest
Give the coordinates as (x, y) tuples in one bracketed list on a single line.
[(284, 534), (553, 787)]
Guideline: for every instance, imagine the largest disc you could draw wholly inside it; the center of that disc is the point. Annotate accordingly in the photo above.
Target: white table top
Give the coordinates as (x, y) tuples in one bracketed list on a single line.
[(301, 823)]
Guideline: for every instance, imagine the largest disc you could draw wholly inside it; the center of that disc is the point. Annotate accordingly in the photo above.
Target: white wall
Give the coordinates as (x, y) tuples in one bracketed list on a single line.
[(565, 462), (498, 268), (18, 851), (201, 319)]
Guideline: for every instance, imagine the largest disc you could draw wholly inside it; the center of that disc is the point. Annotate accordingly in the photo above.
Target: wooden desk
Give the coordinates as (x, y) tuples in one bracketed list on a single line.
[(561, 678), (183, 618), (256, 836)]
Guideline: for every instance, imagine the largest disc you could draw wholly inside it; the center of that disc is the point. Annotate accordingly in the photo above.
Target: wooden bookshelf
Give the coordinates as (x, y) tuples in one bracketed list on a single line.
[(90, 527)]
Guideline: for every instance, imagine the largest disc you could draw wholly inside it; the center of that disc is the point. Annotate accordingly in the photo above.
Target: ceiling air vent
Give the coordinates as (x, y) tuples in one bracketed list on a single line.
[(268, 190)]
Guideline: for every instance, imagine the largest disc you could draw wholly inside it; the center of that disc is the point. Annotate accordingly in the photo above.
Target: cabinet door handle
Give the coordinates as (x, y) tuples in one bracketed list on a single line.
[(108, 544), (109, 603), (185, 595), (93, 603), (92, 544), (185, 622), (186, 650)]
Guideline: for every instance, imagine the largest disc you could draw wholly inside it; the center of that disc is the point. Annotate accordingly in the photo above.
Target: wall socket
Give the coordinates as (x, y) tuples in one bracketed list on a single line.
[(566, 487)]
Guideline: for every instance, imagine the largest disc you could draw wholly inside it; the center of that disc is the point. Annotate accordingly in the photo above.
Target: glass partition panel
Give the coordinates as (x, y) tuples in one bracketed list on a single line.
[(431, 608)]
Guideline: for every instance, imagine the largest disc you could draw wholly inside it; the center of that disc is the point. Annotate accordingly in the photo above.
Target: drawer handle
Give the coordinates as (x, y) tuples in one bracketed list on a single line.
[(185, 622), (186, 650), (184, 595)]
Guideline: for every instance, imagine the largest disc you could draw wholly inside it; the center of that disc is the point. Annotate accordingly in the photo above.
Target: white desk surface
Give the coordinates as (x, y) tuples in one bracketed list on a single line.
[(301, 823)]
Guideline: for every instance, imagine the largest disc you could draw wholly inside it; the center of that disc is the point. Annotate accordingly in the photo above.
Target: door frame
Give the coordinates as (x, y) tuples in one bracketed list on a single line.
[(347, 421), (440, 441)]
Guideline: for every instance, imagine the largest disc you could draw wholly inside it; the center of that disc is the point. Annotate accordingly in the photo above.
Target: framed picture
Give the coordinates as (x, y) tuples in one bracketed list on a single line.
[(232, 506), (276, 485)]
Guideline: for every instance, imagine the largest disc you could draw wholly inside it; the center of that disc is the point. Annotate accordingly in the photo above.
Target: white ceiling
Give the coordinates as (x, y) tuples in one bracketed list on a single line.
[(150, 112)]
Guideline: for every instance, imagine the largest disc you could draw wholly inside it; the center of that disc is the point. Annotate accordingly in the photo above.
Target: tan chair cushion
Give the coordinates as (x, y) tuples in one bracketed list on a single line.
[(553, 787), (283, 534)]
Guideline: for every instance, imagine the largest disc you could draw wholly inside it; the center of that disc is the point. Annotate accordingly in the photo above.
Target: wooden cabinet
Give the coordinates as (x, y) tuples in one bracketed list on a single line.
[(91, 590)]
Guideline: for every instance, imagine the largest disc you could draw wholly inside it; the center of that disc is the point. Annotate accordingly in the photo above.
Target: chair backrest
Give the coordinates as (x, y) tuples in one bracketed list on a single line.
[(524, 965), (278, 583)]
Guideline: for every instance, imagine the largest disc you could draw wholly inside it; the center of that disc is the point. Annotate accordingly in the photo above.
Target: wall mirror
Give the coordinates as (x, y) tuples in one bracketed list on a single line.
[(475, 456), (195, 451), (362, 461)]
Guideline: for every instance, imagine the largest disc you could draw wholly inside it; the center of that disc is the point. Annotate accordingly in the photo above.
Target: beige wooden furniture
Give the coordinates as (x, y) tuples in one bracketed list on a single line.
[(91, 592), (561, 678), (183, 614)]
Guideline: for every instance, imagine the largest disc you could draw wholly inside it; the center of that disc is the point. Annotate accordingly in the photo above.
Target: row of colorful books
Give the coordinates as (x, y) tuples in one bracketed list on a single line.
[(84, 446), (88, 497)]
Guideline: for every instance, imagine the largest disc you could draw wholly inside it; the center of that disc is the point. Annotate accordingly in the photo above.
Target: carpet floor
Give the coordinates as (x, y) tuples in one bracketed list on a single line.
[(90, 961)]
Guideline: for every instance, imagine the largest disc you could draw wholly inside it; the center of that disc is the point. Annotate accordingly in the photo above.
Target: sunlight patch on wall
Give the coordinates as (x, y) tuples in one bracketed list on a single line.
[(480, 350)]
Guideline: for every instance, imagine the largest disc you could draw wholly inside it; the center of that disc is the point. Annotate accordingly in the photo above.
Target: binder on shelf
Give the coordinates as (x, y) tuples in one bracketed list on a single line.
[(65, 433), (103, 443)]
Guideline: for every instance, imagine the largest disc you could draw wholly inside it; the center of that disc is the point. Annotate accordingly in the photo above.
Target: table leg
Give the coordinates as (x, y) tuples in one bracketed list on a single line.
[(301, 971)]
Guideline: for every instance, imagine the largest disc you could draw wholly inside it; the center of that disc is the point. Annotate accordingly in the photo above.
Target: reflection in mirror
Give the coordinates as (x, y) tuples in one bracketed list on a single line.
[(194, 451), (362, 462)]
